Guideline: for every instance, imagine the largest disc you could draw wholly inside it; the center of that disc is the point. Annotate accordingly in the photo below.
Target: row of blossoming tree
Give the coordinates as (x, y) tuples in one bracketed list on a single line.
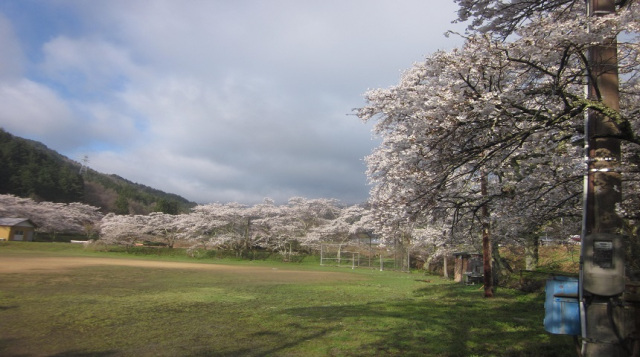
[(300, 225), (229, 226), (490, 135), (53, 218)]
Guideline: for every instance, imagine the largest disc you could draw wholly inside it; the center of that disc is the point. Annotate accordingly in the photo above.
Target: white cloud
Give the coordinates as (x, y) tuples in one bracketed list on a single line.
[(86, 66), (218, 100), (29, 107)]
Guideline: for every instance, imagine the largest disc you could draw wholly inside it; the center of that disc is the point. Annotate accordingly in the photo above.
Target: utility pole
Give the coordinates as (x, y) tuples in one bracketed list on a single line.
[(601, 263), (601, 132), (84, 165)]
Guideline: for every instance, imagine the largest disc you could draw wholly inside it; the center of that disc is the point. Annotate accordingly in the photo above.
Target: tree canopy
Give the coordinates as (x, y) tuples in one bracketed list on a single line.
[(508, 107)]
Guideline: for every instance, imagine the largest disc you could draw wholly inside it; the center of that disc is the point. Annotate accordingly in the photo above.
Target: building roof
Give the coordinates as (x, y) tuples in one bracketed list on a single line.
[(10, 222)]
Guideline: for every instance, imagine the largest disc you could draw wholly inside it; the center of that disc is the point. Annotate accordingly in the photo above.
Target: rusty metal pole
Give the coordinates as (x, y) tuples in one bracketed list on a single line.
[(602, 184)]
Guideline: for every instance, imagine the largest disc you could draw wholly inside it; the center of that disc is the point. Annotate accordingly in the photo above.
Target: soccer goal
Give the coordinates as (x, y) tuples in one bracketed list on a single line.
[(339, 255)]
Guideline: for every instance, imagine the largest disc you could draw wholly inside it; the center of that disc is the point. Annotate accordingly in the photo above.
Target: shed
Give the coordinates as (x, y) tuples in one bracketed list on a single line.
[(468, 267), (16, 229)]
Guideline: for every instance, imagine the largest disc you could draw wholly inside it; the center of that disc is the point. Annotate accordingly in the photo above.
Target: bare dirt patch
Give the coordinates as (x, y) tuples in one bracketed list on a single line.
[(23, 265)]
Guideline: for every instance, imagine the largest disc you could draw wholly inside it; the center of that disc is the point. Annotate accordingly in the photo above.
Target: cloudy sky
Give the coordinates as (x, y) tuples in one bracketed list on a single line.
[(215, 100)]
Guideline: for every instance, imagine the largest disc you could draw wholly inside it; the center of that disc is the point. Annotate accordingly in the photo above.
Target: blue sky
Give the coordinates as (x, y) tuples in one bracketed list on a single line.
[(217, 101)]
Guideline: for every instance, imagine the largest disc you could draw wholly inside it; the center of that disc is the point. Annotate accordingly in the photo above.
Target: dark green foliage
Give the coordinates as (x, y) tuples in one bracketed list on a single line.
[(144, 196), (122, 205), (30, 169), (166, 206)]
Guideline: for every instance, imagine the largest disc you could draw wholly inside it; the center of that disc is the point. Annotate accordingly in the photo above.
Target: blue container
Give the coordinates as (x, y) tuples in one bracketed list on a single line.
[(561, 305)]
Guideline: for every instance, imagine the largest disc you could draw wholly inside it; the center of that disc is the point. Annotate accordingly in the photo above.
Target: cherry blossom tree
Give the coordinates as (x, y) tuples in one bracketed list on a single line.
[(122, 229), (505, 112), (309, 214), (503, 18), (340, 228), (237, 227), (202, 230), (224, 225), (53, 218), (167, 227), (616, 27), (280, 228), (229, 226)]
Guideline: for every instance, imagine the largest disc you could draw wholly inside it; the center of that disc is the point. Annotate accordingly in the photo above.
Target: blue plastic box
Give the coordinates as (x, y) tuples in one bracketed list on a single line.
[(561, 305)]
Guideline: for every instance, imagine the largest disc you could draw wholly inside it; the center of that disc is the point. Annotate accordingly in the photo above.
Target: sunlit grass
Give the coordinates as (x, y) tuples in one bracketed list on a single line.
[(129, 311)]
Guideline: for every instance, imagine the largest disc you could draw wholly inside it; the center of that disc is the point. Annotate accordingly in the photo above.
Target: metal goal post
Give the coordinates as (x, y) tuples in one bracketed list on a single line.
[(336, 255)]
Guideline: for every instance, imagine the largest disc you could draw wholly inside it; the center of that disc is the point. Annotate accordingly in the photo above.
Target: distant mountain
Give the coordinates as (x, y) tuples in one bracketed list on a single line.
[(30, 169)]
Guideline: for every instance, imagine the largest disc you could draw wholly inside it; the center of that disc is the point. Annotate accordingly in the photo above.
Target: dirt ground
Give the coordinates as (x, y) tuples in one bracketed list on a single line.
[(41, 265)]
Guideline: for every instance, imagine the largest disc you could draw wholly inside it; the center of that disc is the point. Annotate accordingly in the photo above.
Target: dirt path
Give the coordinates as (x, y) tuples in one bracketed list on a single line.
[(56, 264)]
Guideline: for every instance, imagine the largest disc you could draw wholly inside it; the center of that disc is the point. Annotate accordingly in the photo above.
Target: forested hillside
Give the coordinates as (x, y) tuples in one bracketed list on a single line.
[(30, 169)]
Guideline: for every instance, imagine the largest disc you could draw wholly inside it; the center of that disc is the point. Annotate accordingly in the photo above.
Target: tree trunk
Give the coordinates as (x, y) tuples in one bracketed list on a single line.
[(486, 260), (501, 267), (247, 232), (486, 240), (446, 273), (531, 253)]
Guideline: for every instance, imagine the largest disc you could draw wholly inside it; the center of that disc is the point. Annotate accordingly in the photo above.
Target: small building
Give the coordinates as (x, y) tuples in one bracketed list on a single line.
[(17, 229), (468, 268)]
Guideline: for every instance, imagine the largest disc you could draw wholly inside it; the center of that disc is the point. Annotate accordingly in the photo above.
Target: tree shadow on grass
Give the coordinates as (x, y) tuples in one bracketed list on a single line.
[(278, 343), (441, 320), (448, 320), (7, 343), (85, 354)]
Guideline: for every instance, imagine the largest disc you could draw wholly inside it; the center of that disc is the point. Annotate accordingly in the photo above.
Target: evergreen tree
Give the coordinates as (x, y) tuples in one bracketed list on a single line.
[(122, 205)]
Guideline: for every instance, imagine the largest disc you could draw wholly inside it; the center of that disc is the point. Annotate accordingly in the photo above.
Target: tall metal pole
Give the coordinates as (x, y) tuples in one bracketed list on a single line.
[(602, 184)]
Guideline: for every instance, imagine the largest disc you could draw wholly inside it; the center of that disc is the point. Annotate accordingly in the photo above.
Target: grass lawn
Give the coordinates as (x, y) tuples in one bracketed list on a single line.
[(130, 308)]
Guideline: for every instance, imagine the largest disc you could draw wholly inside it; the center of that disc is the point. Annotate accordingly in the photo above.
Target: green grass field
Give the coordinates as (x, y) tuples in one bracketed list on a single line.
[(251, 309)]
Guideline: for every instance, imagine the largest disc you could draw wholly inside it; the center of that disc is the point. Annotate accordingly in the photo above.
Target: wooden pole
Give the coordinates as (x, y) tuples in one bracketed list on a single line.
[(602, 184), (603, 146)]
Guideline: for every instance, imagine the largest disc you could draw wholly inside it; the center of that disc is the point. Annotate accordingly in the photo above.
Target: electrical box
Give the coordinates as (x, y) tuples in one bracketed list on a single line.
[(561, 306), (603, 264)]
